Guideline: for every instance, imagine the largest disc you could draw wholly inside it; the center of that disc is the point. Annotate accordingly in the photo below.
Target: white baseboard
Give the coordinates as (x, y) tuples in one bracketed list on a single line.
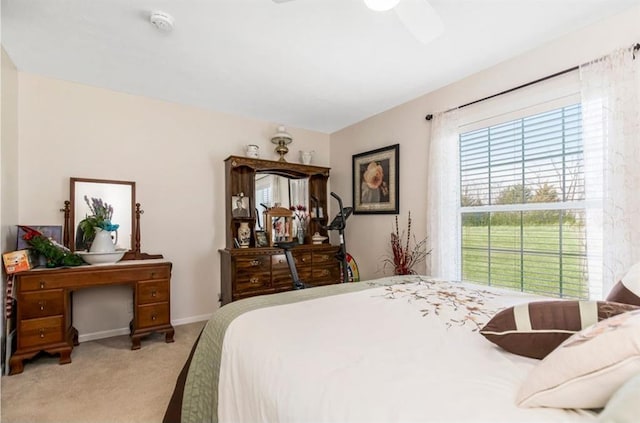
[(193, 319), (103, 334), (125, 331)]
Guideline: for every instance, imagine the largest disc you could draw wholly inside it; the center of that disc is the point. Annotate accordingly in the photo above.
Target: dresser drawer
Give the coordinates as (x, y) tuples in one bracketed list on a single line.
[(41, 303), (153, 291), (324, 275), (252, 264), (279, 261), (42, 331), (153, 315), (320, 258), (283, 279), (255, 281), (86, 276)]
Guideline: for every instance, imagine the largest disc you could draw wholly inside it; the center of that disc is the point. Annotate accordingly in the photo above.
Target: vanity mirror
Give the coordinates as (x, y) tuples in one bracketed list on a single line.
[(121, 196)]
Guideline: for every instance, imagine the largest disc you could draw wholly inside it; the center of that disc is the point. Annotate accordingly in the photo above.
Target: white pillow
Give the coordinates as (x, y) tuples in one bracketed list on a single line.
[(624, 405), (586, 369)]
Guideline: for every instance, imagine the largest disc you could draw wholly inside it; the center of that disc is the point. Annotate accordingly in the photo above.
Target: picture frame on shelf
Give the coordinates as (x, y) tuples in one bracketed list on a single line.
[(240, 206), (279, 225), (261, 239), (53, 232), (376, 181)]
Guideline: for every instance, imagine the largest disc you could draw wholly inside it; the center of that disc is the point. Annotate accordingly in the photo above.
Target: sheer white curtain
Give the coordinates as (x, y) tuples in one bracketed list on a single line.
[(443, 197), (610, 90)]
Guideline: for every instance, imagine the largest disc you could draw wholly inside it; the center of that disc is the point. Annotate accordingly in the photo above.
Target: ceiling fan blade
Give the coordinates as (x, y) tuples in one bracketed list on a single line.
[(281, 1), (420, 19)]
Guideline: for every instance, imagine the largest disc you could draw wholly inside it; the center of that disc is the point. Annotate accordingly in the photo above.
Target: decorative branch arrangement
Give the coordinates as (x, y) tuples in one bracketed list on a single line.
[(405, 257)]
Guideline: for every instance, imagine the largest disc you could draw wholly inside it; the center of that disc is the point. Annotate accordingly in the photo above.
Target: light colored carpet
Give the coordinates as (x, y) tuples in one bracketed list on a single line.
[(106, 381)]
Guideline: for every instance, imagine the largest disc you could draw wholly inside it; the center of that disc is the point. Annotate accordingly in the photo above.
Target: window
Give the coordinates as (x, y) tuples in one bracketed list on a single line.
[(522, 204)]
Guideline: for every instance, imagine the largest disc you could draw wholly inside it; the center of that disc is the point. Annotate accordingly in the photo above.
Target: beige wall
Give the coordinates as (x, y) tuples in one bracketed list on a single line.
[(8, 162), (175, 155), (368, 235), (9, 151)]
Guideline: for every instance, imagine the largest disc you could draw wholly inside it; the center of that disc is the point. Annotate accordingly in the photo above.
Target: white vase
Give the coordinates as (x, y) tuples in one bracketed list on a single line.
[(253, 151), (102, 242), (244, 235), (305, 156)]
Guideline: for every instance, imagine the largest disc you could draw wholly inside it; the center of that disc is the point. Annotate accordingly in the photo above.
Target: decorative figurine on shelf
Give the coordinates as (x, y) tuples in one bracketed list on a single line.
[(282, 138), (244, 235)]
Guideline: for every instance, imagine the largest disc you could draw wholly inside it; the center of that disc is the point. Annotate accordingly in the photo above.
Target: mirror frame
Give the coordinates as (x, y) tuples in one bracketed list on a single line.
[(71, 228)]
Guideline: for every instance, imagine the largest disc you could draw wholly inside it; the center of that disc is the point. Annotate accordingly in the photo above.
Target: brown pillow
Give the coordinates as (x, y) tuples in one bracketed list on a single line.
[(535, 329), (627, 290)]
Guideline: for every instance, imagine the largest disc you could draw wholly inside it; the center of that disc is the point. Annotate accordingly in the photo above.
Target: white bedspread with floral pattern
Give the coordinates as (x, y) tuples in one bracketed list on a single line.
[(409, 352)]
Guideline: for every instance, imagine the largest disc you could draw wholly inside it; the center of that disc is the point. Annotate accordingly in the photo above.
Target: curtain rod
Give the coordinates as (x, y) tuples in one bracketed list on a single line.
[(635, 48)]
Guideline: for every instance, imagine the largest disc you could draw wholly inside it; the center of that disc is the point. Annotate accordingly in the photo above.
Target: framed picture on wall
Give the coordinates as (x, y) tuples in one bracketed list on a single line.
[(376, 184)]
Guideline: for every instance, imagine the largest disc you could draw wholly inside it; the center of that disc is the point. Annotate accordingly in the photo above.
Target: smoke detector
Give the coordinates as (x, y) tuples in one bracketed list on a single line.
[(161, 20)]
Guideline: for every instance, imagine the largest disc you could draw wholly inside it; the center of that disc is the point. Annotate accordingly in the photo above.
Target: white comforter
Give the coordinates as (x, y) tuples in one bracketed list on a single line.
[(406, 353)]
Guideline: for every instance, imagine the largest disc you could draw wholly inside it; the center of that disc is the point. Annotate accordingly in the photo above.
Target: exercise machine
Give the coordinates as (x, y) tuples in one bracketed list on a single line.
[(339, 223)]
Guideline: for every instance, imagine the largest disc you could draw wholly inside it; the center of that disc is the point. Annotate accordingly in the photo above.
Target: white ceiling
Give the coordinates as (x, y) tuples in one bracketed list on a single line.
[(315, 64)]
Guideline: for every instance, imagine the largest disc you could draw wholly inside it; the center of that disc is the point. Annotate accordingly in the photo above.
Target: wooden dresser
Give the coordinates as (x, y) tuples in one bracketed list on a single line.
[(258, 268), (256, 271), (44, 310)]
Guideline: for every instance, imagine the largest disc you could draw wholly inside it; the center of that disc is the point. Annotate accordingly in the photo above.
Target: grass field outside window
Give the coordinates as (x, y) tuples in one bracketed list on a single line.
[(543, 259)]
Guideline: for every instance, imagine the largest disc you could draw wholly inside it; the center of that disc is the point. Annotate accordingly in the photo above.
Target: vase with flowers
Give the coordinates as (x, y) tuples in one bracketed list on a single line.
[(404, 256), (301, 218), (98, 221)]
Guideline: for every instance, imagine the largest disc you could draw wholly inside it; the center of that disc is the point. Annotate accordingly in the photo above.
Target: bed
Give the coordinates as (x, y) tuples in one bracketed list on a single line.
[(396, 349)]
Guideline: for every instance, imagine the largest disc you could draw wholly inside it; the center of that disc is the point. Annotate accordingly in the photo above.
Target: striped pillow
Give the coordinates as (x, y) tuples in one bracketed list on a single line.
[(627, 290), (535, 329)]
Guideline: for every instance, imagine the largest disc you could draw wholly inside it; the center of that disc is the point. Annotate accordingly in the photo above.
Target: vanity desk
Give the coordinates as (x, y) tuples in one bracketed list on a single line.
[(44, 309), (44, 313)]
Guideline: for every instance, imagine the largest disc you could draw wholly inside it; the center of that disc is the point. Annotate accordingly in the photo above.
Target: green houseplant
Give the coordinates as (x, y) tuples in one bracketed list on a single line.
[(55, 254)]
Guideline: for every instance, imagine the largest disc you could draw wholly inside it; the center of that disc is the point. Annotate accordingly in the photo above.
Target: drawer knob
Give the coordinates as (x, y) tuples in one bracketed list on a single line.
[(254, 280), (42, 304), (303, 259), (42, 284), (41, 333), (255, 262), (154, 293), (280, 261), (154, 316)]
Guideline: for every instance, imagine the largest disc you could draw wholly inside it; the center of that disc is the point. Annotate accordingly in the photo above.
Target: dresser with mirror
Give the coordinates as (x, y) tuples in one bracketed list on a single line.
[(44, 315), (259, 196)]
